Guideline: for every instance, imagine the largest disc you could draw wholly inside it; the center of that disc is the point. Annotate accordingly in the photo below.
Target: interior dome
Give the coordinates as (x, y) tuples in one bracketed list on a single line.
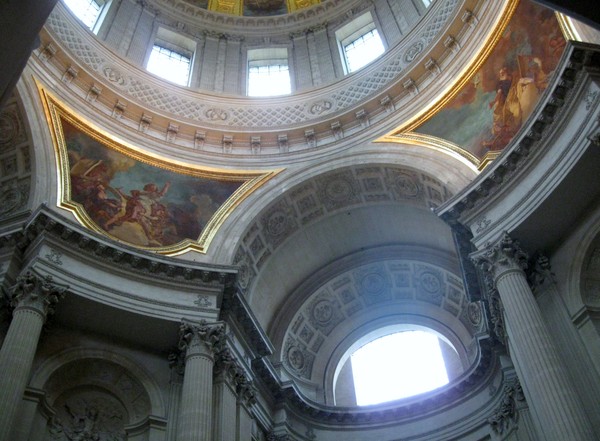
[(219, 202)]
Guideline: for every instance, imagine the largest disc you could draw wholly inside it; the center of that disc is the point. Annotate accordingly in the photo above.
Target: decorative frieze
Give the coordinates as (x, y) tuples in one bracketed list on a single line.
[(139, 90)]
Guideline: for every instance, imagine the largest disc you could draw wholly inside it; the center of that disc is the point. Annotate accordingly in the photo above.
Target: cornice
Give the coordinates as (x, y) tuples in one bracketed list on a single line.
[(46, 223), (235, 308), (194, 16)]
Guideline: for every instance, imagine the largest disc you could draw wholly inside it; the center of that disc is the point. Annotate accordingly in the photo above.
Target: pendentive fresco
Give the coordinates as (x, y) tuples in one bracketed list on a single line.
[(491, 107), (138, 199)]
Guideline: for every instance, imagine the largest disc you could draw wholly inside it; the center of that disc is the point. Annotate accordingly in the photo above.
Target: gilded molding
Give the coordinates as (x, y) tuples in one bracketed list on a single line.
[(251, 179), (437, 144)]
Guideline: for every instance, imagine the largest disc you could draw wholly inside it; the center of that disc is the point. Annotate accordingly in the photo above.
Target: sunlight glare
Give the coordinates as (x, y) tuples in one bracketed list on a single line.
[(397, 366)]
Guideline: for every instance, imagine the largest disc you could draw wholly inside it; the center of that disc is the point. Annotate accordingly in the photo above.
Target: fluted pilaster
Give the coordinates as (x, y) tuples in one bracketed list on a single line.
[(33, 298), (547, 387), (232, 387), (200, 342)]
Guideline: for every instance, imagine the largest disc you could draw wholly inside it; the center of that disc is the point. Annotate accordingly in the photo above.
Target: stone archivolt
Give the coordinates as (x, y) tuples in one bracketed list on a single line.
[(400, 285)]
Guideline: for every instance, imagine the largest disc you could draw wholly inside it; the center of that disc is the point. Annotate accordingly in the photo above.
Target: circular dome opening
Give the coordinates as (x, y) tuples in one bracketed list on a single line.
[(402, 362)]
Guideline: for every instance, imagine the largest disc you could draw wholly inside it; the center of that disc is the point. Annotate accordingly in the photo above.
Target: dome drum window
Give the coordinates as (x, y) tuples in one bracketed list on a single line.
[(359, 42), (171, 57), (268, 72), (90, 12)]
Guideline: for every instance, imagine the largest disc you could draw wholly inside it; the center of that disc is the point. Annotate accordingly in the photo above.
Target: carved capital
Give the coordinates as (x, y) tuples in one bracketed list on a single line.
[(201, 338), (36, 293), (501, 257)]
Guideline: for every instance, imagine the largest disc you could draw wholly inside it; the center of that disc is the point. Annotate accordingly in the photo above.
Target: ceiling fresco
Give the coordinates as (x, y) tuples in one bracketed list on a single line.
[(254, 8), (490, 108), (147, 202)]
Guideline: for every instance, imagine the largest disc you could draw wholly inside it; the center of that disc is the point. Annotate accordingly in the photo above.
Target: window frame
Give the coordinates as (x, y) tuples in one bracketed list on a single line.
[(266, 57), (104, 6), (176, 43), (353, 31)]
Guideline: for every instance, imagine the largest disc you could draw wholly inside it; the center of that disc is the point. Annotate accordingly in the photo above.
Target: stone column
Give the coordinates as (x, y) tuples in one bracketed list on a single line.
[(199, 343), (246, 393), (224, 410), (232, 389), (547, 387), (34, 299)]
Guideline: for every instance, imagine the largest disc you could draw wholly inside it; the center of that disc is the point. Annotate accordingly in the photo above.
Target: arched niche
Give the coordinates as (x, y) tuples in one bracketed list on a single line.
[(96, 395)]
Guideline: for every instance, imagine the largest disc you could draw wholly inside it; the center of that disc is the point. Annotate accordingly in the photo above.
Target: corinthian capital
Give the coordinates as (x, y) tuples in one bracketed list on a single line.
[(500, 257), (201, 338), (36, 293)]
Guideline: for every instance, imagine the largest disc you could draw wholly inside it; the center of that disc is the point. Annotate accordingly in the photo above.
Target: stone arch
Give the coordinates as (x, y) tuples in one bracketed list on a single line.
[(97, 389), (395, 286), (329, 193)]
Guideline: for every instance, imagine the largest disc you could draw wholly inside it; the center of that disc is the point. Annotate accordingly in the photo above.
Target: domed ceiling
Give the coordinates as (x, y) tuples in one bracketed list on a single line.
[(254, 8), (428, 92)]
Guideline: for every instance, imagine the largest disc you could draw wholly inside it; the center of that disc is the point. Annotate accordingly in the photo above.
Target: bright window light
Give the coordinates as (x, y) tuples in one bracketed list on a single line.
[(85, 10), (170, 65), (363, 50), (397, 366), (269, 79)]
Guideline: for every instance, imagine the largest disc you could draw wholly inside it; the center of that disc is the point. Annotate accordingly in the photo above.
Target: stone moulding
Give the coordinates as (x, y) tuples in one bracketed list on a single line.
[(364, 88), (470, 383)]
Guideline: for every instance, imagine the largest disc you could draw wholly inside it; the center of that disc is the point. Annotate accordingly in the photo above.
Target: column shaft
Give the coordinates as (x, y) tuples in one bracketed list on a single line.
[(544, 378), (195, 412), (16, 358)]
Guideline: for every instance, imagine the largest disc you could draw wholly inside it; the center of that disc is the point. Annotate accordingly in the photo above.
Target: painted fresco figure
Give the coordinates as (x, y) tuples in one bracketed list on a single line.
[(141, 207), (515, 99), (504, 118)]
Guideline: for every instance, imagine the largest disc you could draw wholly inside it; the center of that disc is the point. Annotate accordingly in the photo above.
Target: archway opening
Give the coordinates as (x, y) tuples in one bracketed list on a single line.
[(403, 362)]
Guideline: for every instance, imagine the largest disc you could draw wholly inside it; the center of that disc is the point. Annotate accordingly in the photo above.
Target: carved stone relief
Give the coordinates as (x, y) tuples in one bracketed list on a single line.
[(92, 387), (88, 414), (298, 358), (506, 414)]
